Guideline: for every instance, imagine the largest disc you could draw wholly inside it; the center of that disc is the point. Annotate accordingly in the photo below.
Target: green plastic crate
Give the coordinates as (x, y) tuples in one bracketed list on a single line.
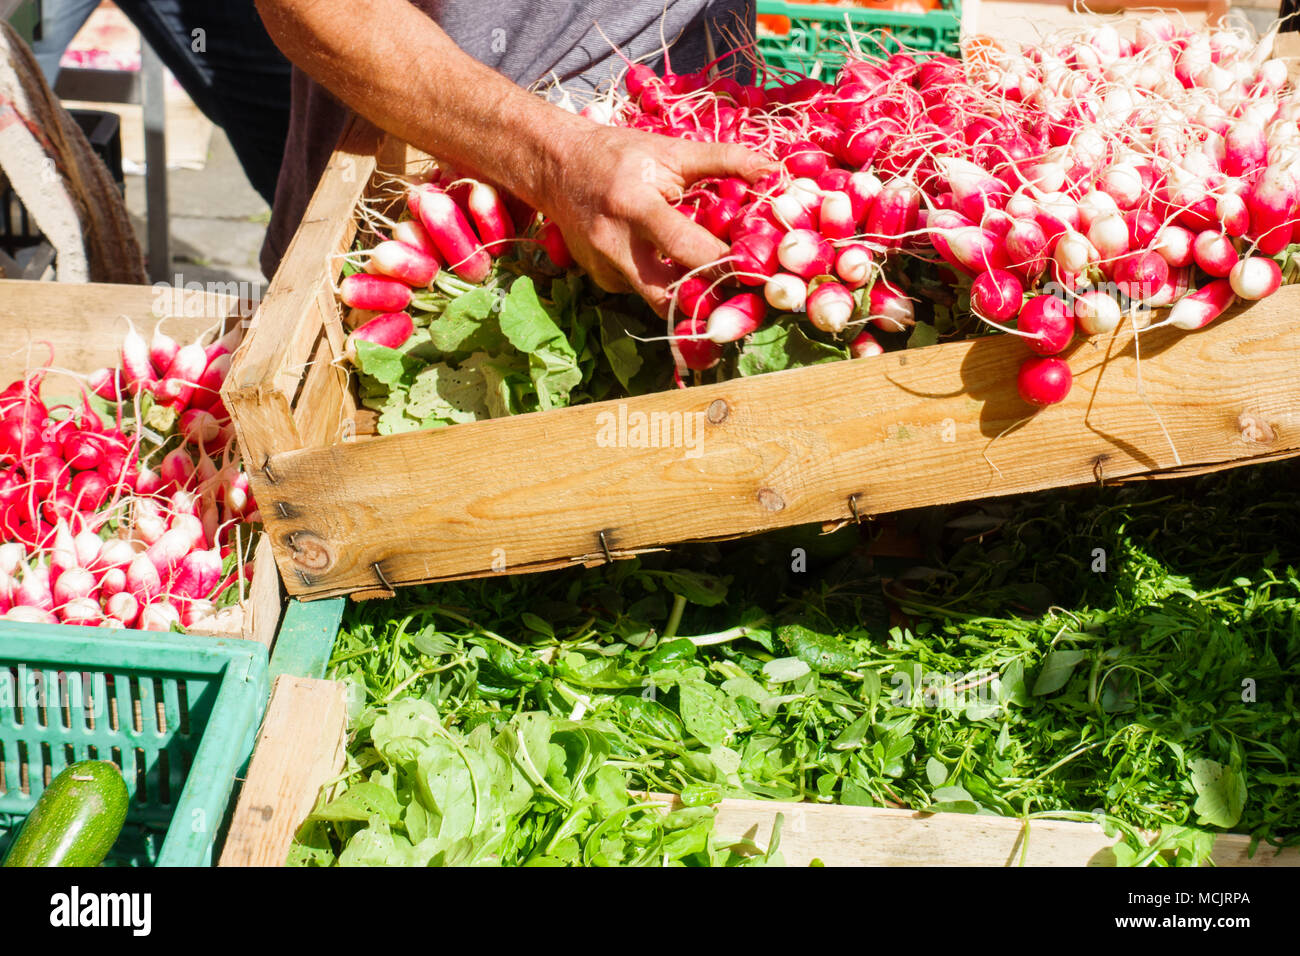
[(178, 714), (820, 34)]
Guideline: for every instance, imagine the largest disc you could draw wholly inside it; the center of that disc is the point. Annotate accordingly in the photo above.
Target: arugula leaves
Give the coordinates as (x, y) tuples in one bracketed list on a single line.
[(1014, 678)]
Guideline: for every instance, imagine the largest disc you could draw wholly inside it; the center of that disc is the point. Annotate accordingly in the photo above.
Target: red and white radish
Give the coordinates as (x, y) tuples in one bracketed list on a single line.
[(853, 265), (83, 611), (391, 330), (552, 242), (1044, 381), (123, 607), (786, 293), (410, 265), (736, 318), (158, 616), (1047, 323), (177, 386), (162, 351), (137, 369), (491, 217), (1214, 253), (830, 306), (691, 345), (1141, 275), (890, 310), (1199, 308), (452, 234), (374, 293), (1097, 312), (805, 253), (996, 295), (865, 346), (1255, 277)]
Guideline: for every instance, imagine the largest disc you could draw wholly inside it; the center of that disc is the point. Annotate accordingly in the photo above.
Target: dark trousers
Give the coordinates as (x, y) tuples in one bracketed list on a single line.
[(219, 52)]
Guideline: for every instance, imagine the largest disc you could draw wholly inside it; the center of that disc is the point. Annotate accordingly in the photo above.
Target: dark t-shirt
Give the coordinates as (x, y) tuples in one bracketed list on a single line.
[(531, 42)]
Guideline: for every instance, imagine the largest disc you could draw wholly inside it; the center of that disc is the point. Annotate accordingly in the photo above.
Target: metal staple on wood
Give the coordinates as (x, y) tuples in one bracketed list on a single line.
[(379, 572), (609, 558), (1099, 470), (266, 470), (853, 507)]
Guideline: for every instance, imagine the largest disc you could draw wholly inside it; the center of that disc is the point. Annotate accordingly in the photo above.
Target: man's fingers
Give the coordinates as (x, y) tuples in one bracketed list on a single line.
[(686, 243), (704, 160), (651, 276), (604, 273)]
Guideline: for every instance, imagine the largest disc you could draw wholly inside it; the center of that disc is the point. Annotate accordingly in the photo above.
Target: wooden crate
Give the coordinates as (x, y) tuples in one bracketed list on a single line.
[(84, 324), (301, 750), (350, 513)]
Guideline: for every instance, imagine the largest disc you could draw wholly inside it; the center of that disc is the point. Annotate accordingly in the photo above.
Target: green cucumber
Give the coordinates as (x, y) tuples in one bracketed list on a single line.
[(76, 821)]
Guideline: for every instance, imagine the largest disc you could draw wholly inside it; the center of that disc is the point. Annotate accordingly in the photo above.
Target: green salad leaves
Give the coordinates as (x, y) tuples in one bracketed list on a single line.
[(1126, 656)]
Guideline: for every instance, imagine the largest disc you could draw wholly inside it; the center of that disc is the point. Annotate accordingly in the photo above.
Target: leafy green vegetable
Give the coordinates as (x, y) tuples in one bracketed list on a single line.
[(535, 791), (922, 335), (441, 395), (1221, 793), (502, 349), (784, 345), (1056, 670), (469, 324), (1127, 656), (619, 347)]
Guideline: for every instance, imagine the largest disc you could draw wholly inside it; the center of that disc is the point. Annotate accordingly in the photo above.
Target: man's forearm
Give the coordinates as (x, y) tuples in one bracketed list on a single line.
[(392, 64), (608, 189)]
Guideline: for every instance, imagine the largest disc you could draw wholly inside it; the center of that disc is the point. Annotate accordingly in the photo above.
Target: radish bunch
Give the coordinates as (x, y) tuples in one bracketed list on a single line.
[(118, 525), (458, 225), (55, 471), (1061, 188), (1110, 175)]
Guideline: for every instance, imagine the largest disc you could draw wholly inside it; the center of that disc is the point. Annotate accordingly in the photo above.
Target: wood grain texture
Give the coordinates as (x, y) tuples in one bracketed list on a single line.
[(300, 747), (875, 836), (267, 372), (1028, 21), (85, 323), (265, 601), (325, 403), (902, 430)]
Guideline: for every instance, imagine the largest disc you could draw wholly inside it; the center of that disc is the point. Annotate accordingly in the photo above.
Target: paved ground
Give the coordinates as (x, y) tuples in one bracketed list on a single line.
[(217, 219)]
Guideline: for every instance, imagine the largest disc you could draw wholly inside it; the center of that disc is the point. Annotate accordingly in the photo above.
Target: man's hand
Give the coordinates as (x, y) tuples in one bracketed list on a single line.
[(611, 202), (607, 189)]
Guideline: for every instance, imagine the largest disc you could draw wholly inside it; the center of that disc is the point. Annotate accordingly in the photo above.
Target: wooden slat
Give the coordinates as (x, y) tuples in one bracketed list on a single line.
[(325, 402), (874, 836), (85, 323), (902, 430), (300, 747), (267, 371), (265, 600)]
